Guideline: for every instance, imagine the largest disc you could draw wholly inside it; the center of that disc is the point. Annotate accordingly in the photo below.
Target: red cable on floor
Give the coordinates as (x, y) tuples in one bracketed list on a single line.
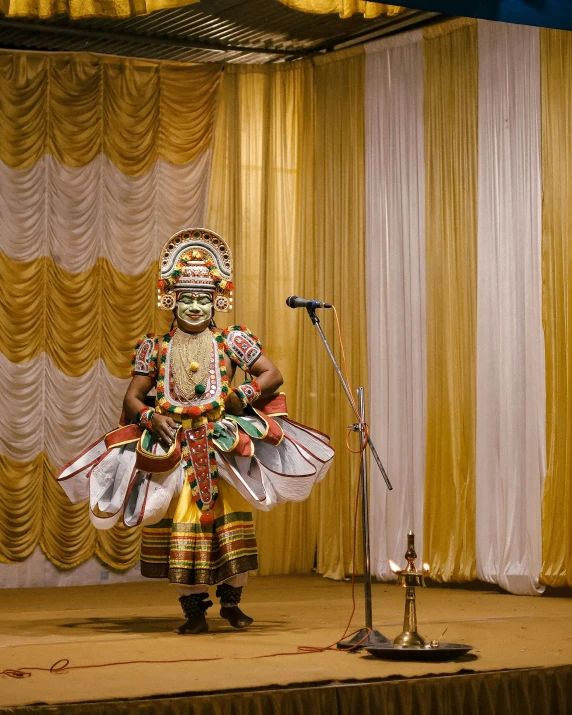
[(63, 666)]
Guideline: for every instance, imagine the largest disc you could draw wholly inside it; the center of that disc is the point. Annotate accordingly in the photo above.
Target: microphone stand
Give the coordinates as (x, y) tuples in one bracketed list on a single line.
[(367, 636)]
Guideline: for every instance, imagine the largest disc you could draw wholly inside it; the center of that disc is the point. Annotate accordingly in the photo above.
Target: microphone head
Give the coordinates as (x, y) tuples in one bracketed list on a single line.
[(291, 301)]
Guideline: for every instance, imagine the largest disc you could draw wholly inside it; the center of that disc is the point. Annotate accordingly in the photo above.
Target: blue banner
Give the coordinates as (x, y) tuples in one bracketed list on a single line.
[(542, 13)]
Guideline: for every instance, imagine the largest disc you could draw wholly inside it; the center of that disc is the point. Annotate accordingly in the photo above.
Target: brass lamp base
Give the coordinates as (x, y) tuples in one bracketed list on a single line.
[(369, 640), (409, 639)]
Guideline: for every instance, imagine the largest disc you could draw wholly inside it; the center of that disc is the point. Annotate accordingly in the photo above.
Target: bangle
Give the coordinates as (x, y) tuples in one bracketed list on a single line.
[(145, 416), (248, 392)]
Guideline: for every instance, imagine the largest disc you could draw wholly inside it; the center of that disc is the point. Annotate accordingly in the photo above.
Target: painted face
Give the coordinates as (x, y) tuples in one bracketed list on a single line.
[(195, 309)]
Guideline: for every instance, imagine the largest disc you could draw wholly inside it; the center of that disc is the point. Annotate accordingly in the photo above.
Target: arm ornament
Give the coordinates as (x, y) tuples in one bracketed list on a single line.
[(242, 346), (144, 361), (248, 392), (145, 417)]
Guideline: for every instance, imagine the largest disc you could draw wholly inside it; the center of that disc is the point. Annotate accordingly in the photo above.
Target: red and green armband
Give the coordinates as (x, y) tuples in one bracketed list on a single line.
[(145, 418), (248, 392)]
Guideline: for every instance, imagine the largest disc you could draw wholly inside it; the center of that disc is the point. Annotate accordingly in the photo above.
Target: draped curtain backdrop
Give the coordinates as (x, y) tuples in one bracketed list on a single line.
[(511, 404), (395, 249), (289, 199), (450, 117), (101, 159), (467, 269), (430, 174), (556, 77)]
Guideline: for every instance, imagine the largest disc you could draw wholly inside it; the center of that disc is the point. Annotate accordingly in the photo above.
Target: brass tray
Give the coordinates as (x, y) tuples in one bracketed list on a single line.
[(442, 652)]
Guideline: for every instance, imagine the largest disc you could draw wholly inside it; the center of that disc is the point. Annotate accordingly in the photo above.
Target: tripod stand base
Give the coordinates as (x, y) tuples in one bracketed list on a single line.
[(371, 640)]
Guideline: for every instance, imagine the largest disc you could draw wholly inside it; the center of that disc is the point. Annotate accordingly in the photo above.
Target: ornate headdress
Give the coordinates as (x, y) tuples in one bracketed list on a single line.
[(195, 260)]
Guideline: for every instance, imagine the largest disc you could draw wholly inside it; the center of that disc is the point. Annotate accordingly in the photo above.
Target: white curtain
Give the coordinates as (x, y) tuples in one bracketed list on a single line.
[(511, 402), (395, 249), (77, 410), (37, 571), (77, 215)]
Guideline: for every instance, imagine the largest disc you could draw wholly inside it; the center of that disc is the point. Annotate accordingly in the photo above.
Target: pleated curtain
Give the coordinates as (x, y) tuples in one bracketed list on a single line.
[(396, 304), (556, 82), (422, 186), (477, 142), (253, 203), (450, 126), (101, 160), (511, 402), (290, 200)]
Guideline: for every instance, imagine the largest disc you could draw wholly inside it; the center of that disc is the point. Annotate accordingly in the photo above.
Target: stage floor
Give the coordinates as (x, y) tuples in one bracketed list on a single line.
[(99, 624)]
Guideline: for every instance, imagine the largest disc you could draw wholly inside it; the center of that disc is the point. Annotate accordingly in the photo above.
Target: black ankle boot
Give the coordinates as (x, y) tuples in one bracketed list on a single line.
[(194, 608), (229, 600)]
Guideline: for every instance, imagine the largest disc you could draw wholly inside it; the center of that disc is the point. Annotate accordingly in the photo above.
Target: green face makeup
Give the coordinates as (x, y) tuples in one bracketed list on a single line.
[(195, 308)]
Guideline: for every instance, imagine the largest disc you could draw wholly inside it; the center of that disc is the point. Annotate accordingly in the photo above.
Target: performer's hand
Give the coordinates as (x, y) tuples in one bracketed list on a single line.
[(164, 427), (233, 405)]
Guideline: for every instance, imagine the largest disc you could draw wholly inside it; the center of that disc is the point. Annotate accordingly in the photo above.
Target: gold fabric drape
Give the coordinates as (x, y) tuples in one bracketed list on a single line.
[(75, 106), (331, 229), (20, 507), (556, 79), (253, 203), (344, 8), (35, 510), (287, 198), (76, 318), (77, 9), (450, 117)]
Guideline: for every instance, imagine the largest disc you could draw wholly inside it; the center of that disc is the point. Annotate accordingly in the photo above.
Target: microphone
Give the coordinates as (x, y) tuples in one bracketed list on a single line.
[(294, 302)]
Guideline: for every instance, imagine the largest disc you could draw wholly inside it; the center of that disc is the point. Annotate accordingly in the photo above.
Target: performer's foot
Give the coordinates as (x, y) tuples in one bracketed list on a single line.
[(235, 616), (193, 626), (194, 607)]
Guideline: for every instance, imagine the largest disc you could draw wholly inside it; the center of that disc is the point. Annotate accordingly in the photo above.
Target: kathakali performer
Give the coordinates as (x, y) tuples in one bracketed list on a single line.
[(191, 467)]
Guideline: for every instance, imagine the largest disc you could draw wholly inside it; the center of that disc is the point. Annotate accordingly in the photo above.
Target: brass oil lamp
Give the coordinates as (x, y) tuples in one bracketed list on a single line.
[(410, 578)]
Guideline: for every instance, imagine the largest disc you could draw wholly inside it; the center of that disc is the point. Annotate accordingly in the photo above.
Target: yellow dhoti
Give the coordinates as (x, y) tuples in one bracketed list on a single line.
[(185, 551)]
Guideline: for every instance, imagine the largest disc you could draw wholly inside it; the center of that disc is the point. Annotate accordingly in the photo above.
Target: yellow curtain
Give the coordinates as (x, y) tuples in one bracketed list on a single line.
[(35, 510), (20, 508), (345, 8), (556, 78), (77, 9), (254, 203), (331, 235), (76, 318), (287, 190), (450, 117), (75, 106)]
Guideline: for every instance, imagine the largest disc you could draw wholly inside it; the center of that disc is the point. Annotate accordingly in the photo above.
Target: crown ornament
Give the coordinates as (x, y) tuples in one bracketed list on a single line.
[(195, 260)]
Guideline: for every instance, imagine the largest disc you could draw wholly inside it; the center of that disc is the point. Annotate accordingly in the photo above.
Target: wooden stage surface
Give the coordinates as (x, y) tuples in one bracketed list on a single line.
[(98, 624)]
